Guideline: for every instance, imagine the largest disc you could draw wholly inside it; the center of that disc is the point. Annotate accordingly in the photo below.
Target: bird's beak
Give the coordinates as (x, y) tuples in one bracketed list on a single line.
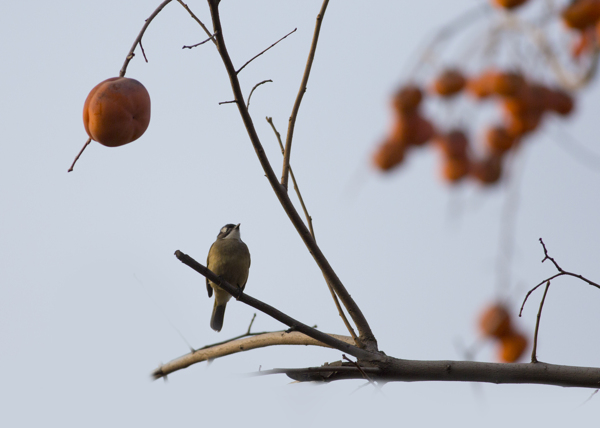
[(238, 226)]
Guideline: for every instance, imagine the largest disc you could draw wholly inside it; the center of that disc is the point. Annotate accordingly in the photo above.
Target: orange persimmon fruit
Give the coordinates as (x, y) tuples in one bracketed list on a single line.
[(455, 169), (495, 82), (508, 4), (521, 124), (495, 321), (453, 145), (448, 83), (506, 83), (581, 14), (481, 86), (116, 111), (488, 170), (407, 99), (559, 102), (424, 131), (498, 139), (411, 128), (388, 155), (512, 347)]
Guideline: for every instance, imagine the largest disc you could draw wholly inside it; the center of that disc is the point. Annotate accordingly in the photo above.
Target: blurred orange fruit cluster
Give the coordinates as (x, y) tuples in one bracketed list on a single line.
[(524, 104), (495, 323)]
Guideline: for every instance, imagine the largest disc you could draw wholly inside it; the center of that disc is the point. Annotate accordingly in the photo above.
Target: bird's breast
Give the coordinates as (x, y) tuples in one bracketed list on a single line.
[(230, 259)]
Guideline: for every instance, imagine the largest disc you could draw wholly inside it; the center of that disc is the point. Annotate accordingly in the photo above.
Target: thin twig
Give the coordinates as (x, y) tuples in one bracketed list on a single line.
[(164, 314), (535, 288), (89, 140), (570, 82), (138, 39), (256, 56), (366, 335), (248, 333), (252, 91), (312, 232), (443, 34), (228, 102), (208, 33), (579, 152), (537, 326), (292, 120), (198, 44), (308, 217), (251, 322)]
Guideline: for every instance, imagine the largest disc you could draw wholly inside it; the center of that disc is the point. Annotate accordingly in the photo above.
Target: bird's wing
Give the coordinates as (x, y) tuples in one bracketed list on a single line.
[(208, 287), (249, 263)]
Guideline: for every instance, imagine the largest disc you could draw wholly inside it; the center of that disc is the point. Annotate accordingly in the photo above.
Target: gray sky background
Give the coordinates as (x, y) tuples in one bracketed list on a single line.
[(89, 281)]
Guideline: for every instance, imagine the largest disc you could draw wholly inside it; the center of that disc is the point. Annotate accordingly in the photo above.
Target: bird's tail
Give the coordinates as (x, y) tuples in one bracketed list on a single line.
[(216, 321)]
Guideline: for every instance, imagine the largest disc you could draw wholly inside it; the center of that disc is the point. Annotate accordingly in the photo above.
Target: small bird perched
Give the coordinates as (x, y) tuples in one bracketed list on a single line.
[(228, 258)]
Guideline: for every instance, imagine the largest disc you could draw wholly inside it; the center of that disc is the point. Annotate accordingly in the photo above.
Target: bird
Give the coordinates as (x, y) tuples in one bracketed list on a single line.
[(228, 258)]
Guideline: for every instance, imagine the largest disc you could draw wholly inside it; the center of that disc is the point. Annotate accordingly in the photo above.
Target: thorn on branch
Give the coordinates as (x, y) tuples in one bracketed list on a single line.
[(143, 51), (362, 372)]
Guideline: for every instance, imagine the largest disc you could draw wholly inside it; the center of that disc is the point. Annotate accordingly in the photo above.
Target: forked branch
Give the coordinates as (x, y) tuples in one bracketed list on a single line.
[(138, 39), (561, 272), (365, 334), (312, 232)]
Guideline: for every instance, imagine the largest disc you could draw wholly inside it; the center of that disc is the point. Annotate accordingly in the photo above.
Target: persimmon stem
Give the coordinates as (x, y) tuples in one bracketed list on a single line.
[(89, 140)]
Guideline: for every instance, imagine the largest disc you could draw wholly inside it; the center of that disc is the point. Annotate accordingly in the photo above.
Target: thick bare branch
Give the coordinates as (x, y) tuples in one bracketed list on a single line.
[(453, 371), (296, 108), (241, 345), (365, 334)]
